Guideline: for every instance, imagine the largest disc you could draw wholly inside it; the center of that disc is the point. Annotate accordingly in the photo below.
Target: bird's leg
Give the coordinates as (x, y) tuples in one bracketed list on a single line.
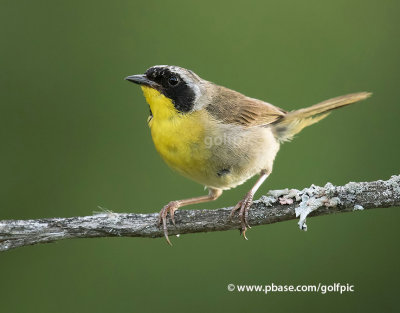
[(174, 205), (244, 205)]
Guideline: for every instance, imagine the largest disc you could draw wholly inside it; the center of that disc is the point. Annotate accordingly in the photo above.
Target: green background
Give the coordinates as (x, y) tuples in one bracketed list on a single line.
[(74, 137)]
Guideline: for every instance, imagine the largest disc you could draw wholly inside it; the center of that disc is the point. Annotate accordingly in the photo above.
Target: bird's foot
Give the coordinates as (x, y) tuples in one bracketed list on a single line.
[(162, 218), (243, 206)]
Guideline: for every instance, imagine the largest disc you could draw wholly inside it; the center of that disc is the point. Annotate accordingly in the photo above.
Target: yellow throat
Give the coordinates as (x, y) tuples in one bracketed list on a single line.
[(178, 138)]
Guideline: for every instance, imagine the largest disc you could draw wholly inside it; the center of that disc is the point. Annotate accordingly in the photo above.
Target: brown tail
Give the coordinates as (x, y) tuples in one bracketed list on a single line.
[(295, 121)]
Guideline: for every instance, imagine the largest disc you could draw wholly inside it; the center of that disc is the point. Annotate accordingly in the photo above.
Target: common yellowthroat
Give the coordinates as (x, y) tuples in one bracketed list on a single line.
[(219, 137)]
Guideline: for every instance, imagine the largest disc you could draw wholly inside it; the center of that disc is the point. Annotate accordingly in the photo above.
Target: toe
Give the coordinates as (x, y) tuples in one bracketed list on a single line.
[(172, 216), (161, 216), (235, 208), (243, 232), (164, 220), (249, 202), (246, 215), (242, 218)]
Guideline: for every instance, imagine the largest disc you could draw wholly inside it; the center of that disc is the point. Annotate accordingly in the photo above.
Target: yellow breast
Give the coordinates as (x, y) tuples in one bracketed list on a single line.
[(179, 138)]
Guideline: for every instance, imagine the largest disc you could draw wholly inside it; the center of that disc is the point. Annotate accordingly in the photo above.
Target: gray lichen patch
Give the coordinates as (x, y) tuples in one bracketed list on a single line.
[(393, 185), (285, 196), (278, 193), (313, 198), (307, 205), (358, 207), (310, 199), (266, 200)]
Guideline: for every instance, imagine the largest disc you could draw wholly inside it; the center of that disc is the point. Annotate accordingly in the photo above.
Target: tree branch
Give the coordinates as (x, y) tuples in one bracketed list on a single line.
[(277, 206)]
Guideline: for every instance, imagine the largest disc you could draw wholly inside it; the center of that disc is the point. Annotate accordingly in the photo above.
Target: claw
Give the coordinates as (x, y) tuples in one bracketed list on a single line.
[(246, 212), (243, 233), (172, 216), (235, 208), (166, 230), (244, 206), (162, 218)]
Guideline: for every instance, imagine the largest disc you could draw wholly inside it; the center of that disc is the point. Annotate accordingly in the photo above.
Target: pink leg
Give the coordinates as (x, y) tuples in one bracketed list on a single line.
[(174, 205)]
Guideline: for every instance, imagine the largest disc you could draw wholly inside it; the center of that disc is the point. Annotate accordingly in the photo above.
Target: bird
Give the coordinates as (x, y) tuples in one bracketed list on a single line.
[(217, 136)]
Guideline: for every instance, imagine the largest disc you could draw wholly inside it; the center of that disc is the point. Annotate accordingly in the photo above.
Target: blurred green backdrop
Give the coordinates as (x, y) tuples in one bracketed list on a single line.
[(74, 137)]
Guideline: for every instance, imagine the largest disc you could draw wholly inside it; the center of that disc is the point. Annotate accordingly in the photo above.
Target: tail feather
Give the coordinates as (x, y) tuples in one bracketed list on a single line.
[(293, 122)]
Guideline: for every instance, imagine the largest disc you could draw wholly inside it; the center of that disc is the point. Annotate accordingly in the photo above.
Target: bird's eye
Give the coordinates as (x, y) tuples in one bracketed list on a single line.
[(173, 80)]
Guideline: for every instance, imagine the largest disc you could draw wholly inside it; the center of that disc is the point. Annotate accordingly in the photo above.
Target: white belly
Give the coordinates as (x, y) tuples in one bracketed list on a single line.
[(238, 154)]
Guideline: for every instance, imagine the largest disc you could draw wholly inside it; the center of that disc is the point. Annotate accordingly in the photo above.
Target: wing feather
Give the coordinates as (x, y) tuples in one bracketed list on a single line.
[(232, 107)]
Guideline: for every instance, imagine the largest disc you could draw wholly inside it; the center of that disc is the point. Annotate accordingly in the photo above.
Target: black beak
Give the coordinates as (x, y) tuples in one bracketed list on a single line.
[(142, 80)]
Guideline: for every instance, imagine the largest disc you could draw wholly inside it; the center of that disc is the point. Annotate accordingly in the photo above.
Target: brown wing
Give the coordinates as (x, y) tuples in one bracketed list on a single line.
[(232, 107)]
